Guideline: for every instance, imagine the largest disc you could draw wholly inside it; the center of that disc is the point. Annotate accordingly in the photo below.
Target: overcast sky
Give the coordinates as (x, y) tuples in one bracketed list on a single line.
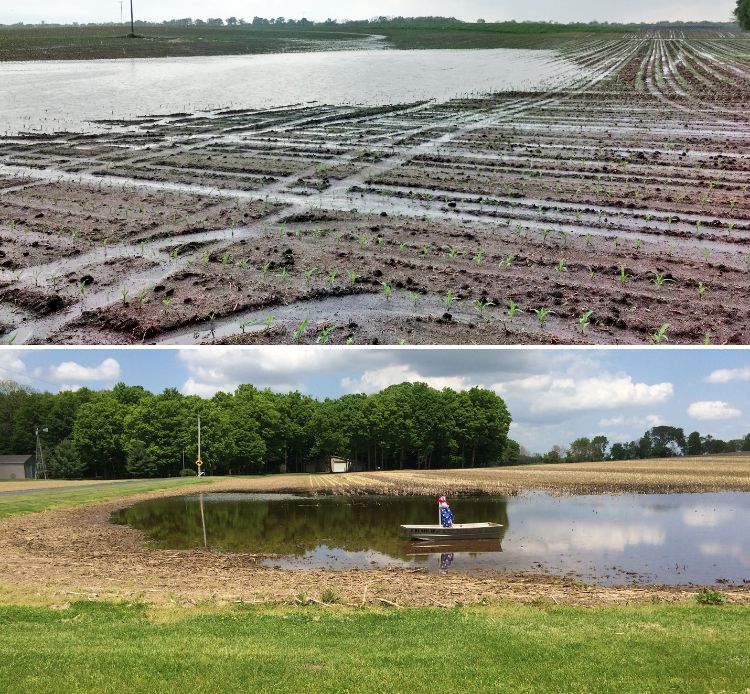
[(554, 396), (12, 11)]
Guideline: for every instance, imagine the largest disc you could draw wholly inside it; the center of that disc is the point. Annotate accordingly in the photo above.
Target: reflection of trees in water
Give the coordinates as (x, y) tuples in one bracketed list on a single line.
[(293, 527)]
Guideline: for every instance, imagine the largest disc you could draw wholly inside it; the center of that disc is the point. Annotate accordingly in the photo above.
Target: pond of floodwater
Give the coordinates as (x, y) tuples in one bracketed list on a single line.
[(642, 538), (56, 95)]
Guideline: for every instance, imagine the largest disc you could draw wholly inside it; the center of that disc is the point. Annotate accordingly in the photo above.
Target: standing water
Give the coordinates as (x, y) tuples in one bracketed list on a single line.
[(56, 95), (613, 540)]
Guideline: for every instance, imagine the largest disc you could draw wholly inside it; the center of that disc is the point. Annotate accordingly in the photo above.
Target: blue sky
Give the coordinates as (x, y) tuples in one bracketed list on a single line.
[(12, 11), (554, 395)]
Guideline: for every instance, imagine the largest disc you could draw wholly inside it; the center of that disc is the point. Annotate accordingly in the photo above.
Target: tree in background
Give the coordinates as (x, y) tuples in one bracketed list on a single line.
[(139, 462), (742, 12), (694, 444), (65, 462)]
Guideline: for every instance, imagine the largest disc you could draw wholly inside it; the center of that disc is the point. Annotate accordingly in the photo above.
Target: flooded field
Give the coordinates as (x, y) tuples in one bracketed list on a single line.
[(671, 539), (54, 95), (610, 207)]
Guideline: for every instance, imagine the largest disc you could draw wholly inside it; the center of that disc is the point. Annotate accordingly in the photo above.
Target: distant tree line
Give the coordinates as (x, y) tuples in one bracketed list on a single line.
[(657, 442), (130, 431)]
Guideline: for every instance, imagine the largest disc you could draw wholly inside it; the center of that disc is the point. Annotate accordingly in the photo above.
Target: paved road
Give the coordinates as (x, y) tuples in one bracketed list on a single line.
[(18, 492)]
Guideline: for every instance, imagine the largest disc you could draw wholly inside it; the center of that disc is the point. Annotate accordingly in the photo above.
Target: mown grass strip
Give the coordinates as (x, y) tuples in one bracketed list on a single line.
[(111, 648), (62, 498)]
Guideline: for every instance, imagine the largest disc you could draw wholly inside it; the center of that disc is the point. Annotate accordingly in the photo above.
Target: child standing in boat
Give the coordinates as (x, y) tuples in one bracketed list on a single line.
[(446, 515)]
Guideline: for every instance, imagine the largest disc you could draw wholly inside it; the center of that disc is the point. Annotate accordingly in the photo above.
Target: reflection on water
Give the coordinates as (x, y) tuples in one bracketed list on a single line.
[(64, 94), (672, 539)]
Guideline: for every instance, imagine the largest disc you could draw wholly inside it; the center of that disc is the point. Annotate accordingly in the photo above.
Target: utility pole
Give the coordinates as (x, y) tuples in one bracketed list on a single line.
[(199, 462), (121, 1), (132, 23), (41, 466)]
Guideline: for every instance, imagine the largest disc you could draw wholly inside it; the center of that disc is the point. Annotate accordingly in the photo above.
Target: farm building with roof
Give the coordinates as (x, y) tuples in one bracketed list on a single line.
[(17, 467)]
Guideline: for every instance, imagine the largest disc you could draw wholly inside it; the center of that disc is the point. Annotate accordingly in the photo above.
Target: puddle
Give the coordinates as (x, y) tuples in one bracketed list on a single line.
[(672, 539)]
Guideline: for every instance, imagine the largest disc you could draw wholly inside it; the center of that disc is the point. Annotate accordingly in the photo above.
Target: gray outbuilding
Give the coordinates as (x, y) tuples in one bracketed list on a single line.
[(17, 467)]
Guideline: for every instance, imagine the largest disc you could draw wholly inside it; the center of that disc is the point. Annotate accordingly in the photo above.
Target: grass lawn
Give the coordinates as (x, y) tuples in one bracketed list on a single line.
[(16, 504), (112, 648)]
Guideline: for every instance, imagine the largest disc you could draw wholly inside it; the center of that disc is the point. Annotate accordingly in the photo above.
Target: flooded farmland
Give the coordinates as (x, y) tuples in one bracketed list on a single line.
[(55, 95), (599, 196), (671, 539)]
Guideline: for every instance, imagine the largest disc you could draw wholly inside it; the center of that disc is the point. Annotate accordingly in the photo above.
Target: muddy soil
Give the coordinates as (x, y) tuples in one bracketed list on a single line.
[(612, 210)]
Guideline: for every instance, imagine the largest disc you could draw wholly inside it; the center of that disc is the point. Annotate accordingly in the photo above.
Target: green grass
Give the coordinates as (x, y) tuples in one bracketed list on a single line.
[(17, 504), (113, 648)]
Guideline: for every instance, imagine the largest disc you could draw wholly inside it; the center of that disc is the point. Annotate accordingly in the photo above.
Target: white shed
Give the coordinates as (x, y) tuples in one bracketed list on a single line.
[(17, 467), (340, 464)]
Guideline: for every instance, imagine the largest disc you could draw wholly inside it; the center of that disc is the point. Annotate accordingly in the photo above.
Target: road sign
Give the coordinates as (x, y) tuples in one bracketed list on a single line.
[(199, 462)]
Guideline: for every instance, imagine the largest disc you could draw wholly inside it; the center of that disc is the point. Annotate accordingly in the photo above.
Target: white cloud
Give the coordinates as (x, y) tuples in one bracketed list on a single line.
[(605, 392), (711, 410), (108, 370), (72, 387), (12, 365), (729, 375), (376, 380)]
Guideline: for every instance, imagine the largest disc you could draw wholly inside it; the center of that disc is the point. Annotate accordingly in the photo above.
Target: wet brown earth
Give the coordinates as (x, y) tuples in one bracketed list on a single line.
[(613, 210)]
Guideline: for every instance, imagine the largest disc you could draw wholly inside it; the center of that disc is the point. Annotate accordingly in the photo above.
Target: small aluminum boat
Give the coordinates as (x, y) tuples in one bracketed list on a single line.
[(459, 531)]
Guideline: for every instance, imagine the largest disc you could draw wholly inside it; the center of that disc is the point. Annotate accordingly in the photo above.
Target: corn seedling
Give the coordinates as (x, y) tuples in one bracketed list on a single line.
[(513, 308), (450, 298), (542, 314), (481, 306), (591, 272), (659, 335), (584, 320), (561, 267), (353, 277), (701, 290), (331, 277), (623, 277), (309, 273), (453, 252), (225, 258), (479, 257), (300, 331), (325, 335), (124, 294), (387, 291)]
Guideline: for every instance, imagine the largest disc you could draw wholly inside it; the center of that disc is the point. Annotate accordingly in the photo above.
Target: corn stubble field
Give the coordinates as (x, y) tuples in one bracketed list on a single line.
[(612, 209)]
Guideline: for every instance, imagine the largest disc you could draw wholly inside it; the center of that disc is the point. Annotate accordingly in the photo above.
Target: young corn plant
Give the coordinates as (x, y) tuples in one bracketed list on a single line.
[(325, 335), (542, 314), (450, 298), (623, 277), (561, 266), (513, 309), (585, 320), (387, 291), (481, 306), (659, 336), (701, 290), (331, 277), (301, 328)]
